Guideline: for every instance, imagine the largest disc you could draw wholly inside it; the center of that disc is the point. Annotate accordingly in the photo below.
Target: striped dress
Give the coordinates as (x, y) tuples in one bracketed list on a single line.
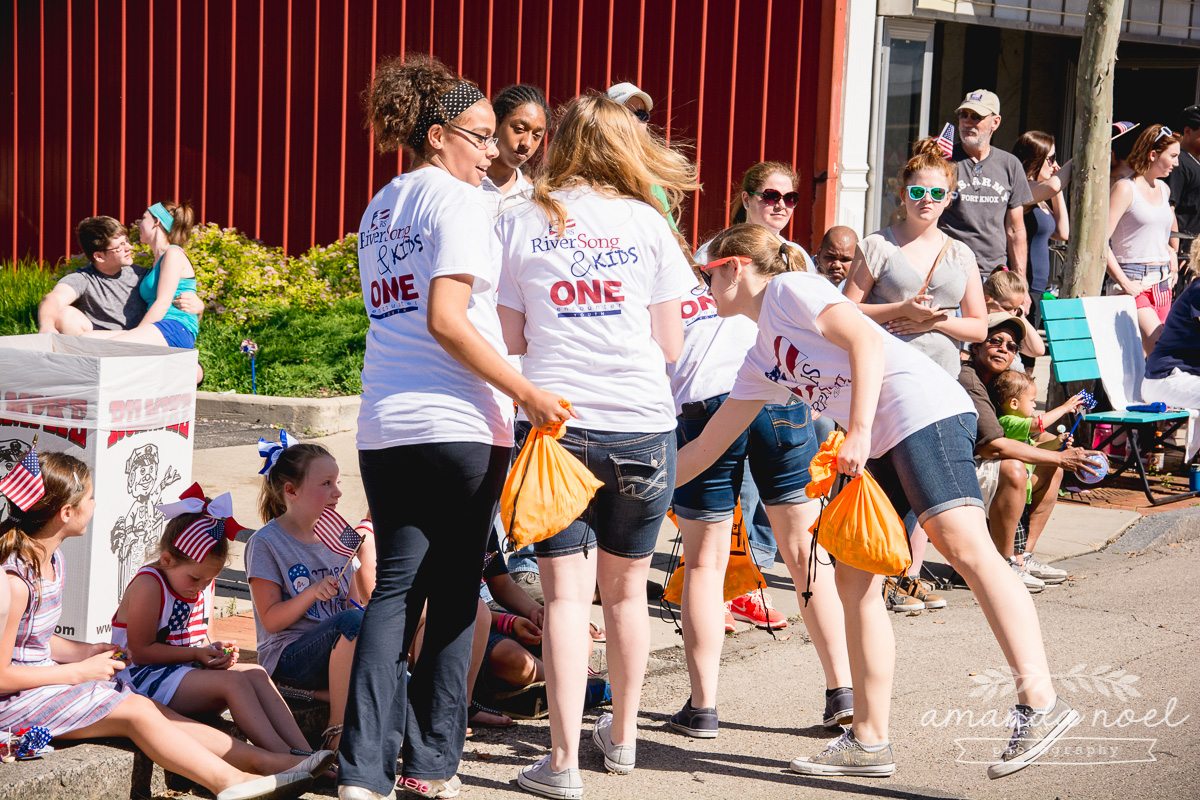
[(63, 708), (182, 622)]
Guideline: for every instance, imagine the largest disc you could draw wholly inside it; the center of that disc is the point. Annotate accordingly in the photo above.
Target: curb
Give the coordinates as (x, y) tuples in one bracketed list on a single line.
[(315, 416), (1158, 530)]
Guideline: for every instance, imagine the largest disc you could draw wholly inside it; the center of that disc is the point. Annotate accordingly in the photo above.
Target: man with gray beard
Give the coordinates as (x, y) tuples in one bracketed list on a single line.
[(992, 189)]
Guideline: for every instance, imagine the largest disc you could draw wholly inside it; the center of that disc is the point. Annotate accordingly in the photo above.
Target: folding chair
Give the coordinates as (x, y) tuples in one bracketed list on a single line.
[(1074, 359)]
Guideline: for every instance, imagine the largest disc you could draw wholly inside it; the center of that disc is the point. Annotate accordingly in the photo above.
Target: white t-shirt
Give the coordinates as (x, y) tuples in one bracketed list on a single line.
[(792, 357), (498, 200), (713, 350), (423, 225), (586, 298)]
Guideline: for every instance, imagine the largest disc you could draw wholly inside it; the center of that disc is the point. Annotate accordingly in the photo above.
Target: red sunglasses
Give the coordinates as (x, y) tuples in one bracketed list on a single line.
[(705, 269)]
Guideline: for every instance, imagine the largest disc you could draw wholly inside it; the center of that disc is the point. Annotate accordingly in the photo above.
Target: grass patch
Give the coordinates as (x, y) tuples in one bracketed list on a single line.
[(301, 353), (23, 284)]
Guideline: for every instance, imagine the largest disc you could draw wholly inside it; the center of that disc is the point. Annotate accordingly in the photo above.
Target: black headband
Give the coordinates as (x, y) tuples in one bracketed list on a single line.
[(444, 109)]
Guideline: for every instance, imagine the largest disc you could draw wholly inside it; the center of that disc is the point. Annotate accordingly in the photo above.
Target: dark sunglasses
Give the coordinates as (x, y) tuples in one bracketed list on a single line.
[(642, 114), (772, 196), (705, 269), (936, 193), (1001, 342)]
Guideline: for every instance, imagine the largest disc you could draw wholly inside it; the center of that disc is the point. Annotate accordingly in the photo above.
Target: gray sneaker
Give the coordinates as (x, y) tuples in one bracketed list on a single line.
[(618, 758), (1043, 572), (839, 707), (845, 756), (700, 723), (1034, 585), (1033, 734), (531, 583), (540, 779)]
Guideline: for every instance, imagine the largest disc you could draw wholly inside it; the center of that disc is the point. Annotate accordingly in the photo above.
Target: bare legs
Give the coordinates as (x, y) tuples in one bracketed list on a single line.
[(1151, 327), (957, 534), (823, 615), (567, 582), (252, 700), (705, 557)]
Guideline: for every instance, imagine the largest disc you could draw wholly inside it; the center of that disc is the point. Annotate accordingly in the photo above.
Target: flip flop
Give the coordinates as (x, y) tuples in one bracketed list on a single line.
[(599, 636), (477, 717)]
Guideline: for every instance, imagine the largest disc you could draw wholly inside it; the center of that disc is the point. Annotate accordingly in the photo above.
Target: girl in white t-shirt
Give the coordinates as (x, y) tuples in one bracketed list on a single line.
[(435, 428), (590, 293), (915, 427), (521, 119)]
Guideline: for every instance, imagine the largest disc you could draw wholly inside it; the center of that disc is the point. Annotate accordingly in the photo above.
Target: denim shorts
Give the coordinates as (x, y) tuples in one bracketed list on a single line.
[(175, 334), (932, 470), (305, 662), (781, 445), (638, 471)]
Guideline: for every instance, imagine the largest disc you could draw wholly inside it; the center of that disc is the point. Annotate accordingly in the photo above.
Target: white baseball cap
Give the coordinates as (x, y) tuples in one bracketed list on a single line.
[(621, 92)]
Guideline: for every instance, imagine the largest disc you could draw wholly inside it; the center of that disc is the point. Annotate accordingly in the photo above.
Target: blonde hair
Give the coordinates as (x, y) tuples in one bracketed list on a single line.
[(68, 481), (770, 253), (292, 467), (1149, 142), (598, 143), (1003, 284)]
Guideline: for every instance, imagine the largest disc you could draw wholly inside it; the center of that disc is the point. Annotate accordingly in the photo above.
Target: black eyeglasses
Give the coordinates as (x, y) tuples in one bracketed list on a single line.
[(1002, 343), (642, 114), (482, 142), (772, 196)]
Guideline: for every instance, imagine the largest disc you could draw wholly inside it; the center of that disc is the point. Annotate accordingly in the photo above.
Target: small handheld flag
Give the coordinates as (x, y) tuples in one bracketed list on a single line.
[(23, 484), (217, 521), (945, 141), (1089, 402), (337, 534), (1121, 128)]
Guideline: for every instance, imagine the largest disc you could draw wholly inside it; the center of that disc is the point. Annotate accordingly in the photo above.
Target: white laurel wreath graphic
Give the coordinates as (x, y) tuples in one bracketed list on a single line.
[(1099, 680)]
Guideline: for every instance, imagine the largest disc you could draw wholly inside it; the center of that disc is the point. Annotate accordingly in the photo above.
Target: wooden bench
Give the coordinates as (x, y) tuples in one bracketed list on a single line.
[(1074, 361)]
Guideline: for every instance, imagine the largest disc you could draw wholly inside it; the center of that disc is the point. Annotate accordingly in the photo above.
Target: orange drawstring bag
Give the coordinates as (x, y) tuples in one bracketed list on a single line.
[(546, 489), (741, 575), (859, 527)]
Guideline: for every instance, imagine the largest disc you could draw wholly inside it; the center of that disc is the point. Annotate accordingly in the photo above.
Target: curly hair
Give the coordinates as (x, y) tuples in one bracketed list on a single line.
[(402, 90)]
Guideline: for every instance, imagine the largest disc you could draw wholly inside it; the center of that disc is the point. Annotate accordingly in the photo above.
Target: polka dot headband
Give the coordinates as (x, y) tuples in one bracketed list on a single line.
[(444, 109)]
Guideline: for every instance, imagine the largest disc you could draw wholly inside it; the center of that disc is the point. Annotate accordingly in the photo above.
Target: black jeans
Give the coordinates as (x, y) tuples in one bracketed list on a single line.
[(432, 505)]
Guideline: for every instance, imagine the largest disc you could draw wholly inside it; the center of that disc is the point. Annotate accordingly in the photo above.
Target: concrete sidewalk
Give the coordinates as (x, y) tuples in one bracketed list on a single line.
[(1073, 529)]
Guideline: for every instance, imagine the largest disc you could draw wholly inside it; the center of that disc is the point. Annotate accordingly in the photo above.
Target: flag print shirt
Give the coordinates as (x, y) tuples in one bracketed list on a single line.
[(275, 555), (586, 297), (791, 357), (424, 225)]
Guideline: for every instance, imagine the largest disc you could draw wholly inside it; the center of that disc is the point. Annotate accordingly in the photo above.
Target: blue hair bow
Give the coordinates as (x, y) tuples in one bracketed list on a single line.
[(270, 450)]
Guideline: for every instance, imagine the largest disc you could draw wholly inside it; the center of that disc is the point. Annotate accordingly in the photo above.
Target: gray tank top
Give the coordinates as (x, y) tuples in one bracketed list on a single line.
[(896, 280)]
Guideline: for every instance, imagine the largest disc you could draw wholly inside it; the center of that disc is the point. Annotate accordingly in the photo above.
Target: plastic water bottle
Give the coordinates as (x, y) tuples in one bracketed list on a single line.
[(1194, 478)]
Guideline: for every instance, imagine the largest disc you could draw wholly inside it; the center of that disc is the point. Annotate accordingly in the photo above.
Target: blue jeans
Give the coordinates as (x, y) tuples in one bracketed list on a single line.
[(637, 471), (433, 506), (932, 470), (305, 662)]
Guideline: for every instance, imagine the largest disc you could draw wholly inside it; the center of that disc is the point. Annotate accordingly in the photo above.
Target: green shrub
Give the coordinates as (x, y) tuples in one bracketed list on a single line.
[(23, 284)]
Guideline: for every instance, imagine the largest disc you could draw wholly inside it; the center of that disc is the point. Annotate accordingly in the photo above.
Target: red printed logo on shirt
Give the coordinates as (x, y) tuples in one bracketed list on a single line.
[(699, 308), (587, 298), (792, 367)]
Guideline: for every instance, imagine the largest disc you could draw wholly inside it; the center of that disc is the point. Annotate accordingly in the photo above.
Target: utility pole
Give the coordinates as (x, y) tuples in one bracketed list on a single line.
[(1086, 251)]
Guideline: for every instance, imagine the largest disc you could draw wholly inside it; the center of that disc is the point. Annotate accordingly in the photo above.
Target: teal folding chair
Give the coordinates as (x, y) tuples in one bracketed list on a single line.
[(1074, 360)]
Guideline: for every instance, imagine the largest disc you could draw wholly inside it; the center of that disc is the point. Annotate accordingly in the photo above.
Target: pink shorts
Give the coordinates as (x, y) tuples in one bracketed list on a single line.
[(1157, 297)]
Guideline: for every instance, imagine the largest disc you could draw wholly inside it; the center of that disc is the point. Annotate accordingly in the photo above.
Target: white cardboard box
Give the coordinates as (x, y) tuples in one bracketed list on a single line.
[(128, 412)]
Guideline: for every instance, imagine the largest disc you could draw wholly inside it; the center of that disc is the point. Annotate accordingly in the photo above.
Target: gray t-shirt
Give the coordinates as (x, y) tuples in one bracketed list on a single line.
[(111, 302), (275, 555), (986, 191)]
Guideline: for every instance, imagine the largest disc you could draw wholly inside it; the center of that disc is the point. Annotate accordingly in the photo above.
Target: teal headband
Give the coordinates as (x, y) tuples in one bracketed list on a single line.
[(162, 215)]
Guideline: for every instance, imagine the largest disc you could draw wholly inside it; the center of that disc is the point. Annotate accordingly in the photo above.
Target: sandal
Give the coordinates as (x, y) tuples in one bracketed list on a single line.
[(477, 713), (327, 737), (436, 788), (599, 636)]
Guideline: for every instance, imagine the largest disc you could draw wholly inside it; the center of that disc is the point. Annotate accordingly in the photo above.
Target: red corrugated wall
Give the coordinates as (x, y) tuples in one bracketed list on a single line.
[(249, 108)]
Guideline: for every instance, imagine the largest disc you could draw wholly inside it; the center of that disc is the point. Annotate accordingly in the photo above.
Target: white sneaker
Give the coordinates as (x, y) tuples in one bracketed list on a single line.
[(269, 787), (1034, 585), (1043, 572), (362, 793)]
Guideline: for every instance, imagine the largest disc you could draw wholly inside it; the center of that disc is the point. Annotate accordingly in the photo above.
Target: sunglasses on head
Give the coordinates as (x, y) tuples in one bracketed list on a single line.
[(1002, 343), (1164, 131), (936, 193), (706, 269), (772, 196), (642, 114)]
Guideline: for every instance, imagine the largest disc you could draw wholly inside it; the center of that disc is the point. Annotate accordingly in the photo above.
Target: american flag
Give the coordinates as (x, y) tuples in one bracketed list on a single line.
[(946, 141), (336, 533), (199, 537), (1123, 127), (23, 484)]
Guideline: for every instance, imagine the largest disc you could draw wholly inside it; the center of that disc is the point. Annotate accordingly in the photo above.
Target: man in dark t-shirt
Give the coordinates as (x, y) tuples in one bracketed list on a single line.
[(1001, 461), (988, 214), (1184, 180)]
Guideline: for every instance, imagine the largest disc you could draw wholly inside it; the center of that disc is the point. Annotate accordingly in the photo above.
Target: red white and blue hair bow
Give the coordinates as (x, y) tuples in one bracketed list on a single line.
[(216, 521), (271, 450)]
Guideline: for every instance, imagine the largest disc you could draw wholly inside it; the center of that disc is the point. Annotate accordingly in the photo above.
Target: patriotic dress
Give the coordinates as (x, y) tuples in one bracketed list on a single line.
[(182, 623), (62, 708)]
